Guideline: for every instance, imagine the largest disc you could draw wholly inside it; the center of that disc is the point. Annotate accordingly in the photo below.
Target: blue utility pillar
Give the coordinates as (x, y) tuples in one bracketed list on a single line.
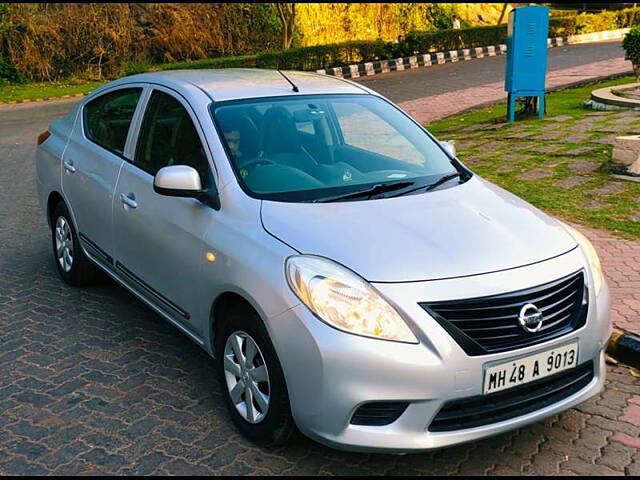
[(527, 34)]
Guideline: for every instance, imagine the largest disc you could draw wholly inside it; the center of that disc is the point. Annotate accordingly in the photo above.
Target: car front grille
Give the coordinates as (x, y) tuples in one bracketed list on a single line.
[(500, 406), (490, 324)]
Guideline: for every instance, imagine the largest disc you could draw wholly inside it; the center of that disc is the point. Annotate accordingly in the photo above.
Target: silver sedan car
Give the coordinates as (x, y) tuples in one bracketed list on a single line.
[(349, 274)]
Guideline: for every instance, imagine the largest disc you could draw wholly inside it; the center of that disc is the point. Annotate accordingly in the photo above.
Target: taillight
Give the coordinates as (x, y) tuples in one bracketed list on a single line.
[(43, 136)]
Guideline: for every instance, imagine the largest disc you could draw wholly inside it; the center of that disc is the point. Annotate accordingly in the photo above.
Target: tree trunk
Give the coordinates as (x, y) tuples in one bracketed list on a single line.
[(287, 14), (504, 10)]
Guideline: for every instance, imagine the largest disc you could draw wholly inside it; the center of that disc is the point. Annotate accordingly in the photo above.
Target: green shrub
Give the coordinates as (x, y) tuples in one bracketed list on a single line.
[(596, 22), (631, 47), (9, 73), (607, 20), (562, 26)]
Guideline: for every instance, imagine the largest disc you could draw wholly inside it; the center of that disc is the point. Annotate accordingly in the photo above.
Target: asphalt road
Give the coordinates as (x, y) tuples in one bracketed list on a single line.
[(92, 381), (449, 77)]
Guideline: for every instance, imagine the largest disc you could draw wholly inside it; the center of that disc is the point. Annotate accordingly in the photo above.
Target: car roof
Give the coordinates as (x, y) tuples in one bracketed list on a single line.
[(240, 83)]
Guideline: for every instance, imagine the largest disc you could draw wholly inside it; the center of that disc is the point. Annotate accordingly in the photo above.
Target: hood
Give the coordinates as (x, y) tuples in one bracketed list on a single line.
[(464, 230)]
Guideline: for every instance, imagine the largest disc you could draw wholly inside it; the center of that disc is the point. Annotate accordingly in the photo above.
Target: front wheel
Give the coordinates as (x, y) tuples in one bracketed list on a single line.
[(252, 379)]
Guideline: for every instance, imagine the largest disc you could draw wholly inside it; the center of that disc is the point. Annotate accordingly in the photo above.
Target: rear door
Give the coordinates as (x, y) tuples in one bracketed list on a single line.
[(159, 240), (91, 164)]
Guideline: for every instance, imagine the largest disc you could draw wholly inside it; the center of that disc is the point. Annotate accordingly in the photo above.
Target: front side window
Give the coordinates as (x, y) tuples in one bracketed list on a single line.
[(315, 147), (169, 137), (107, 118)]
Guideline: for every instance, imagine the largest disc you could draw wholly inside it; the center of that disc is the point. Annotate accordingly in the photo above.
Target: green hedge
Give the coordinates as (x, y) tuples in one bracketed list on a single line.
[(340, 54), (323, 56), (242, 61)]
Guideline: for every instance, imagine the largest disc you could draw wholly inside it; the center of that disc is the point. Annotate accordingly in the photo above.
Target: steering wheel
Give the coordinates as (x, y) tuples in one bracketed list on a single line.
[(252, 162)]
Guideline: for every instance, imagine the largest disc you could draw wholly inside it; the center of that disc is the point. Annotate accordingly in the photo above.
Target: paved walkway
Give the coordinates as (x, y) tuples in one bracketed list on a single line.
[(434, 107)]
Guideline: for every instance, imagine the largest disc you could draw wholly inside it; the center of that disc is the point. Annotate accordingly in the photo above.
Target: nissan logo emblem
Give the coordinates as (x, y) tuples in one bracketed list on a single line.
[(530, 318)]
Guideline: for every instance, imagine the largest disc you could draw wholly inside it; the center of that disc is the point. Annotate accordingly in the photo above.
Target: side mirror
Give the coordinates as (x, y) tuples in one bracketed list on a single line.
[(183, 181), (449, 146)]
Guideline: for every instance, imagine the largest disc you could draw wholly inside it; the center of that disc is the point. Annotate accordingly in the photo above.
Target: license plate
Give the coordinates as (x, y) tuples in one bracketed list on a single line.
[(528, 369)]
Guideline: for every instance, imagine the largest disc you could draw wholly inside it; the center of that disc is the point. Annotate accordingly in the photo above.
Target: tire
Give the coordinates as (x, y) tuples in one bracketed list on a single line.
[(73, 266), (276, 425)]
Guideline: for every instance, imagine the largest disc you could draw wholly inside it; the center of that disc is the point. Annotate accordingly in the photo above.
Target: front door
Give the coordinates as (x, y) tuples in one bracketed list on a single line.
[(159, 240)]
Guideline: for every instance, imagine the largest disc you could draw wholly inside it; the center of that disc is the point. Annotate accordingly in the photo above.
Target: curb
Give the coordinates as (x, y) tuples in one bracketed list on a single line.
[(624, 347), (367, 69), (606, 96), (30, 100)]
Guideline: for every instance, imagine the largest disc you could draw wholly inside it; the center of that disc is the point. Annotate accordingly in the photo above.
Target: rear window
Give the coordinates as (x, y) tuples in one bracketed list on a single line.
[(107, 118)]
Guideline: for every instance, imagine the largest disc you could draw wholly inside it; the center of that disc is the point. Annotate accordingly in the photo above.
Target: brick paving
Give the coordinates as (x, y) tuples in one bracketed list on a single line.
[(93, 382), (621, 262)]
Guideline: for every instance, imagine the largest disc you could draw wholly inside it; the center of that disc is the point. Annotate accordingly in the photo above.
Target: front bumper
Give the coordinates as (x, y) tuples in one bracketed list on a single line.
[(330, 373)]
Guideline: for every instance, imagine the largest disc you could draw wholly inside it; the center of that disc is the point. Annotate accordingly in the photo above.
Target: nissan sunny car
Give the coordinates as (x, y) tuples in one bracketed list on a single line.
[(349, 275)]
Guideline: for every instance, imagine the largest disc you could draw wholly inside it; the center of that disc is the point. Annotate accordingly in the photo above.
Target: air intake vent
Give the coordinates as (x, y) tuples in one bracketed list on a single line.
[(378, 413), (500, 406)]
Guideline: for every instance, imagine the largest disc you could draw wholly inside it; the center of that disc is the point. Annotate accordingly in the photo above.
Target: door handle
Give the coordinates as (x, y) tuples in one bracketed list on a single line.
[(68, 166), (129, 200)]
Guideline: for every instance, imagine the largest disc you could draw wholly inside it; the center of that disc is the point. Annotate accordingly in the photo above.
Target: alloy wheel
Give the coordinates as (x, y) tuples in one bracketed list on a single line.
[(246, 376), (64, 244)]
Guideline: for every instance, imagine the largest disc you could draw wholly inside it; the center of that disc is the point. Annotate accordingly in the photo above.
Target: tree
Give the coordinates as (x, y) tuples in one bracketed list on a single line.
[(504, 10), (287, 14)]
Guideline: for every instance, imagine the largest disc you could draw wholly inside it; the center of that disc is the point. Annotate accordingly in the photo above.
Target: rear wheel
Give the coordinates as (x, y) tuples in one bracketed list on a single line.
[(251, 378), (72, 264)]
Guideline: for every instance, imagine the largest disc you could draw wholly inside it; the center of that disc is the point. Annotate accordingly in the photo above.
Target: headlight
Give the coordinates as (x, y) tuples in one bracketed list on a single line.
[(345, 301), (590, 253)]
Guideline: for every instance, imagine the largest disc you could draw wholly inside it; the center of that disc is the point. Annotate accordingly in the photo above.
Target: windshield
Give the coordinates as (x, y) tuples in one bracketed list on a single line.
[(307, 148)]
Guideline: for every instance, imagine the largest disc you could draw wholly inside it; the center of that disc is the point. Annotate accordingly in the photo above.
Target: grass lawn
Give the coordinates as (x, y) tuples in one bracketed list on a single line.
[(560, 164), (44, 90)]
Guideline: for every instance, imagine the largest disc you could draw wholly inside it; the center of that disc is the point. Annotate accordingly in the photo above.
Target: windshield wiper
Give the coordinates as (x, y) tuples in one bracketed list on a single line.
[(431, 186), (368, 192)]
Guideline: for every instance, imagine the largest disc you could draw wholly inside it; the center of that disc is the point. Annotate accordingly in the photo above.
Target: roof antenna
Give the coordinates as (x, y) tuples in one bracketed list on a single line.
[(295, 89)]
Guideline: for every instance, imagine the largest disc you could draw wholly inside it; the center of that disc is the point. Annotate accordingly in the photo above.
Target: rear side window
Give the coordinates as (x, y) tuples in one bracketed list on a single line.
[(169, 137), (108, 117)]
